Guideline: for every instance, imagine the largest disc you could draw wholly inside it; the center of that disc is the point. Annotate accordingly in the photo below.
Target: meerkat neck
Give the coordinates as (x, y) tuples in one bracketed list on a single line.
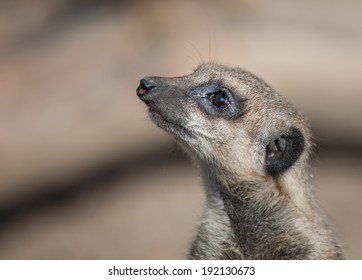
[(262, 220), (258, 221)]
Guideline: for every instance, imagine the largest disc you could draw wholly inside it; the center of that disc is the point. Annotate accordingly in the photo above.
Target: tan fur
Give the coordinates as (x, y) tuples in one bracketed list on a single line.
[(252, 211)]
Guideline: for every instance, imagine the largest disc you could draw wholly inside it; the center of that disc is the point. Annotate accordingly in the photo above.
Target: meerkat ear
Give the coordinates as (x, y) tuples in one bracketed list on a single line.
[(282, 152)]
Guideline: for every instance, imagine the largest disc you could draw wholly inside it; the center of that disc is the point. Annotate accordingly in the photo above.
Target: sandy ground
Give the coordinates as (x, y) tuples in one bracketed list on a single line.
[(85, 174)]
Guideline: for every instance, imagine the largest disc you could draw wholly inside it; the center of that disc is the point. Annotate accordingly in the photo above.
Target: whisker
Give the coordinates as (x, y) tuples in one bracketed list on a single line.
[(193, 59), (197, 51)]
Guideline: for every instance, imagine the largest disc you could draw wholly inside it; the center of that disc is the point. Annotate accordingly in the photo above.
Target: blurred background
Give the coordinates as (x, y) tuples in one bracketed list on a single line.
[(85, 175)]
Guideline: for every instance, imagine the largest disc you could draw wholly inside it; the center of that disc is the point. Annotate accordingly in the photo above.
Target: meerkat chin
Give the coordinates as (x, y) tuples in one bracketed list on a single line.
[(253, 148)]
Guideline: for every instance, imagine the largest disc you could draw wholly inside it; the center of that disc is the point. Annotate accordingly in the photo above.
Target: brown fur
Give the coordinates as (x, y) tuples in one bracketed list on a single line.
[(251, 213)]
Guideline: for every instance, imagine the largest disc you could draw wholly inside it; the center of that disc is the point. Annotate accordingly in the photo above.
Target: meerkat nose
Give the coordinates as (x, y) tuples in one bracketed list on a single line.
[(146, 85)]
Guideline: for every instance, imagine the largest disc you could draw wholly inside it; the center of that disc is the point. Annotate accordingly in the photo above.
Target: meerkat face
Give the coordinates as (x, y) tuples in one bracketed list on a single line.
[(228, 118)]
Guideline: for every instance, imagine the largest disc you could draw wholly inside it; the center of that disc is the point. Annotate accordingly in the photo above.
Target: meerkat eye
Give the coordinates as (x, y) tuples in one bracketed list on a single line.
[(219, 99)]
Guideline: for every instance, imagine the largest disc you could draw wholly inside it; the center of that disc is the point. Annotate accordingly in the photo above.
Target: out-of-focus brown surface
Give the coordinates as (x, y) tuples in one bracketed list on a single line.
[(85, 175)]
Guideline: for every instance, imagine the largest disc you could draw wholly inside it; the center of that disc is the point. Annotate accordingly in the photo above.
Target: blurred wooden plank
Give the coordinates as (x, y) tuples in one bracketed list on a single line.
[(68, 104)]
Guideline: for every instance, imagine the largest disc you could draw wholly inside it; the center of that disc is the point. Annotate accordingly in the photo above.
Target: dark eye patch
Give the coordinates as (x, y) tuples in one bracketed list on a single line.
[(217, 100)]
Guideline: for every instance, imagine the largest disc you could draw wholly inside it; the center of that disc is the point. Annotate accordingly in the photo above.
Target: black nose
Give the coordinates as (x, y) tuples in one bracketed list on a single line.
[(146, 84)]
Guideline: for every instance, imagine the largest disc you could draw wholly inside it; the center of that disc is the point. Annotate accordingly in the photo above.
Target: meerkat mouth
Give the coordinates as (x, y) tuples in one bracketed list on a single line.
[(157, 117), (168, 125)]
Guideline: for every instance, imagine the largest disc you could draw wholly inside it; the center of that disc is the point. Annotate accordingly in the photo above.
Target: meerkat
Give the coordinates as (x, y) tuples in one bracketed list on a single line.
[(253, 148)]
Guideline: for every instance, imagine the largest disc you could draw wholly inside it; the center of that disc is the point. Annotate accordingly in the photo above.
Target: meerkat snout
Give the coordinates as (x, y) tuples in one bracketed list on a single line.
[(253, 147)]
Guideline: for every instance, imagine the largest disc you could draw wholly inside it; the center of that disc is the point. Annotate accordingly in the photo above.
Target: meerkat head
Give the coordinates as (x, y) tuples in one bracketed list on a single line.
[(229, 119)]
